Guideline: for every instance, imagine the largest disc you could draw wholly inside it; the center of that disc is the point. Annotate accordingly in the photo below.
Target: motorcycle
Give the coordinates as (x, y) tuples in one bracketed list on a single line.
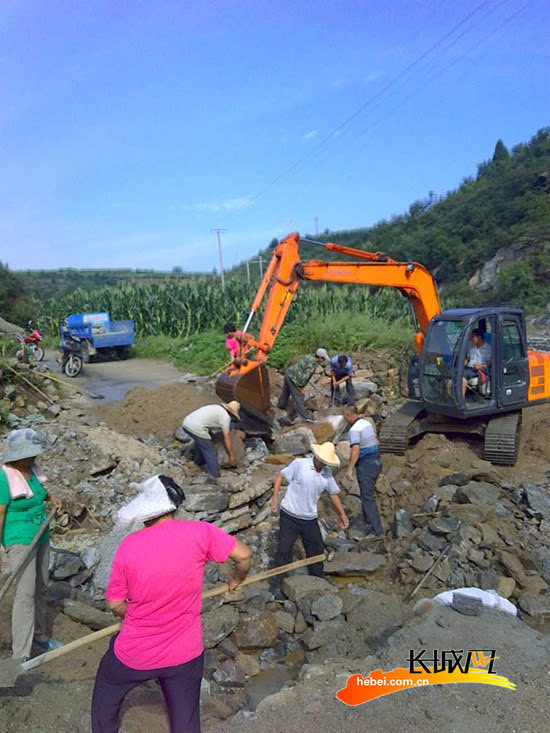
[(33, 341), (70, 356)]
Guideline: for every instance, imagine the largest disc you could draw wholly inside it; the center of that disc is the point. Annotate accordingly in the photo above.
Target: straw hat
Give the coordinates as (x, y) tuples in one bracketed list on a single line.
[(326, 453), (233, 408), (24, 443)]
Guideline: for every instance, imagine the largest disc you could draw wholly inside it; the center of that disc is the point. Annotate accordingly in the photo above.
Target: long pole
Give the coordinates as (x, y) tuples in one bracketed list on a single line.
[(248, 271), (220, 255)]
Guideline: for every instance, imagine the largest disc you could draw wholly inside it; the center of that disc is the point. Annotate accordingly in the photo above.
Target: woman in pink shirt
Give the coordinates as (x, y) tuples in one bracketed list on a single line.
[(155, 587), (235, 341)]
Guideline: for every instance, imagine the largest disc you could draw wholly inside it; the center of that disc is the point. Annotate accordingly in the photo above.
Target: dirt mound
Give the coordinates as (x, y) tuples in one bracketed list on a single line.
[(157, 411)]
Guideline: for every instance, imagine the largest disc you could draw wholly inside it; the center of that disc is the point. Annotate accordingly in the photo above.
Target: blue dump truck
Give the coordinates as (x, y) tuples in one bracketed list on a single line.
[(99, 335)]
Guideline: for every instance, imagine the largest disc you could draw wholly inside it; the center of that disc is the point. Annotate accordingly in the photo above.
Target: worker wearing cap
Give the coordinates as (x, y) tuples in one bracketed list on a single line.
[(155, 587), (307, 479), (297, 377), (199, 424)]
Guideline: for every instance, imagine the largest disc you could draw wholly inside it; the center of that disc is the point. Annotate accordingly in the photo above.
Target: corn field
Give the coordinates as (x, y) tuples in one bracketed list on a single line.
[(181, 308)]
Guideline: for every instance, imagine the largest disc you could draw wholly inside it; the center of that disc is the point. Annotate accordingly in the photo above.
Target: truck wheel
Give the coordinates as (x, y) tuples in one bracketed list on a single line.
[(73, 365), (123, 352)]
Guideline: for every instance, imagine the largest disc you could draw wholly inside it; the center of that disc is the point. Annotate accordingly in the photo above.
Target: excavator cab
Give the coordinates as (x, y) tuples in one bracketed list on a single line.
[(474, 362)]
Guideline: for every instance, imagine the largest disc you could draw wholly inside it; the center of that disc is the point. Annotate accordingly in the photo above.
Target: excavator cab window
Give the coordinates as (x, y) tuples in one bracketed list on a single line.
[(438, 360), (478, 378)]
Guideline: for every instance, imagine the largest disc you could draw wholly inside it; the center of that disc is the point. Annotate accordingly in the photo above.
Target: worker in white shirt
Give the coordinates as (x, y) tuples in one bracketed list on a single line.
[(199, 424), (307, 478)]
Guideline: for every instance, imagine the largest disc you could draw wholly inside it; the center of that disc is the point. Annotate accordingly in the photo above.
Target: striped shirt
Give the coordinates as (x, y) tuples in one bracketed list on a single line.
[(363, 434)]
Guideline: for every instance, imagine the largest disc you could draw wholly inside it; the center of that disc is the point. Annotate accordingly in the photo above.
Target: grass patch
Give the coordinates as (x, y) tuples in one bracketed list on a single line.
[(344, 332)]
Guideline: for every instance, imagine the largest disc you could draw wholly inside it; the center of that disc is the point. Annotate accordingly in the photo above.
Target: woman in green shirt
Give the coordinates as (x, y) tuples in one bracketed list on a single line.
[(22, 512)]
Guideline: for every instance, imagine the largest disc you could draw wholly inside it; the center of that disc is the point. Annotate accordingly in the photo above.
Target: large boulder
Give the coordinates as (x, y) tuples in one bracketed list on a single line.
[(205, 500), (261, 481), (477, 492), (326, 633), (256, 629), (64, 564), (298, 587), (296, 442), (354, 563), (218, 624), (87, 615), (376, 613), (327, 606), (538, 501)]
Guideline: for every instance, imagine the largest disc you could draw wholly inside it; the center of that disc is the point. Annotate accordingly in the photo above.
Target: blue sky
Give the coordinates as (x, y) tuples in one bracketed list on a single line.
[(129, 129)]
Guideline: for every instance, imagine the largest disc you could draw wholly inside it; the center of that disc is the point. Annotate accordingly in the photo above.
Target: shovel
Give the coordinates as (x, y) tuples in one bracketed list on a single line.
[(10, 669)]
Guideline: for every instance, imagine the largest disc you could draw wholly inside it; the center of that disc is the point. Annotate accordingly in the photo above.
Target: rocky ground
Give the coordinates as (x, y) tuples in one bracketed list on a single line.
[(492, 523)]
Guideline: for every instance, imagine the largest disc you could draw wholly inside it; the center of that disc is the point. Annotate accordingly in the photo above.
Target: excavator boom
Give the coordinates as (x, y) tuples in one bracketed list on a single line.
[(248, 380)]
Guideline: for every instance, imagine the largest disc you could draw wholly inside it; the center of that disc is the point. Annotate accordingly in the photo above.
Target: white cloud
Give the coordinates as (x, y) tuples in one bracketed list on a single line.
[(372, 77), (311, 135), (215, 207)]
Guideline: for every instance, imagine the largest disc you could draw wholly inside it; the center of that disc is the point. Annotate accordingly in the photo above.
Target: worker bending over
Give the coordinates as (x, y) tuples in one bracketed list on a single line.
[(307, 478), (199, 424), (341, 372)]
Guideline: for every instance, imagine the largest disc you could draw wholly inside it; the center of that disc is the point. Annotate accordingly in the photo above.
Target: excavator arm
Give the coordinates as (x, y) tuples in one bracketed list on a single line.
[(247, 380)]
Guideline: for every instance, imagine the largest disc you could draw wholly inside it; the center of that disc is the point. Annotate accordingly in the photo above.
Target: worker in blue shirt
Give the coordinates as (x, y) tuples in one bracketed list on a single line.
[(341, 372)]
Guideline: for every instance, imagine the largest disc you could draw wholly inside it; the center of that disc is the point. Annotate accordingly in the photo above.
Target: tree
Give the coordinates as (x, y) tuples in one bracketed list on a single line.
[(501, 152), (177, 270)]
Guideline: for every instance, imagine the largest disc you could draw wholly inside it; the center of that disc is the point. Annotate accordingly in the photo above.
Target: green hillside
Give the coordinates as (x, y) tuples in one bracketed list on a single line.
[(506, 206)]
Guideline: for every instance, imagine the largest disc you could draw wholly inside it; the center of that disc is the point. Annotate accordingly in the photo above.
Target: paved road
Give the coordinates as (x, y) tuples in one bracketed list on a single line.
[(113, 379)]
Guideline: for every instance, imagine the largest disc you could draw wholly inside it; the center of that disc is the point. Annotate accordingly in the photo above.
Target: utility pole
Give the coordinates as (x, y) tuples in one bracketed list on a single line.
[(316, 225), (220, 254), (260, 261), (248, 271)]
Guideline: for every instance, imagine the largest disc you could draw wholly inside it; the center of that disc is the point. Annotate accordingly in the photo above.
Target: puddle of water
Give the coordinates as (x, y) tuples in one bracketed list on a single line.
[(271, 680)]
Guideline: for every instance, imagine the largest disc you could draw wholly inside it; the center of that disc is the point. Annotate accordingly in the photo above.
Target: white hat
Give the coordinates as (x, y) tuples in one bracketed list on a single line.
[(151, 502), (322, 354), (233, 408), (326, 453)]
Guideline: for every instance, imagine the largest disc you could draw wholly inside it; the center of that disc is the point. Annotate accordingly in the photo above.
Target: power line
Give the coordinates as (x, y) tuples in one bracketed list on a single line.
[(369, 101), (453, 63)]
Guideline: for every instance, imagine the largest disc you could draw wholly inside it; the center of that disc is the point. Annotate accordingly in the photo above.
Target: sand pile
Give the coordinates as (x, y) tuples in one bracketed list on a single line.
[(155, 411)]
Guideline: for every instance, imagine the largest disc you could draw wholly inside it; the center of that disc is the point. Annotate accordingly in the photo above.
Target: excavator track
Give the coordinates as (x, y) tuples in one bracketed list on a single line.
[(394, 433), (502, 436)]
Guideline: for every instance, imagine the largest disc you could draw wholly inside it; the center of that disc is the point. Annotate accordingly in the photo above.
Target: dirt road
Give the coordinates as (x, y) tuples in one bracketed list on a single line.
[(113, 379)]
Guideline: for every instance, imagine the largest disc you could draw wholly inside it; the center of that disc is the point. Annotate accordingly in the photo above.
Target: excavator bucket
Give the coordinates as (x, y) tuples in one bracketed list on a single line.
[(247, 383)]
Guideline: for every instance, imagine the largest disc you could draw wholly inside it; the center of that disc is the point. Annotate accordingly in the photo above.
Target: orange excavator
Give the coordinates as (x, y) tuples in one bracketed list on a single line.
[(443, 396)]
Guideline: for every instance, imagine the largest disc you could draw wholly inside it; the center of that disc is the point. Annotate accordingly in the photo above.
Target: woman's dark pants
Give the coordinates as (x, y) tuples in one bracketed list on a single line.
[(368, 469), (180, 685)]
